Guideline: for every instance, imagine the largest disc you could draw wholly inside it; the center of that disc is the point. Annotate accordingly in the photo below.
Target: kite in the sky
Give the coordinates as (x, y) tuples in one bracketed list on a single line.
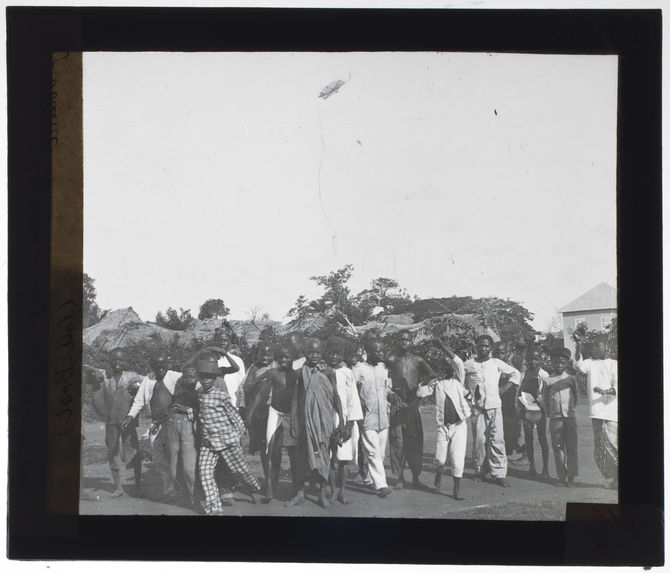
[(331, 88)]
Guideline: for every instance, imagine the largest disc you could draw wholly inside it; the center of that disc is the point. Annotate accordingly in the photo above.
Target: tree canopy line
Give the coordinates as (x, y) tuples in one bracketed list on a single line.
[(339, 312)]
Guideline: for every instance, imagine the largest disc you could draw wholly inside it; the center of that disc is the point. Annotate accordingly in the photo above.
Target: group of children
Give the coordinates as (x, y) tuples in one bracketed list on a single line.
[(328, 409)]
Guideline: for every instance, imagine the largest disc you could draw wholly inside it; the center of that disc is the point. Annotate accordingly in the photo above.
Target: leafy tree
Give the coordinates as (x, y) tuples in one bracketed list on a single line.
[(213, 308), (335, 304), (174, 320), (91, 311), (383, 293)]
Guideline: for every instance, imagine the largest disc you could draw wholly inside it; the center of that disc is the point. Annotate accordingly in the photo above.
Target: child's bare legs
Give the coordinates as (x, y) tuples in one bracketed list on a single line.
[(528, 432), (457, 489), (544, 446), (323, 499), (340, 496), (266, 461), (298, 499), (438, 476), (116, 478), (137, 471), (332, 478), (113, 443)]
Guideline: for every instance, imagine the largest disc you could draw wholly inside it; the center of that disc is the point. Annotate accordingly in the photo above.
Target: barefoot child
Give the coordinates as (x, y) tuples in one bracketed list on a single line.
[(315, 403), (601, 382), (353, 360), (344, 452), (220, 427), (282, 380), (532, 384), (155, 396), (113, 394), (181, 430), (255, 403), (374, 387), (482, 378), (451, 411), (405, 427), (560, 399)]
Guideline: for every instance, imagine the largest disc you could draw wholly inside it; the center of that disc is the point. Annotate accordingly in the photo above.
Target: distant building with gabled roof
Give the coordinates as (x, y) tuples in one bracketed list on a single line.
[(596, 308)]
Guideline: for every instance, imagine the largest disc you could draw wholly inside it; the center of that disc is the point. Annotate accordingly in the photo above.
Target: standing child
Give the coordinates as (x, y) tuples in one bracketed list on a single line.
[(346, 450), (353, 361), (532, 385), (451, 411), (374, 387), (282, 380), (155, 396), (405, 427), (560, 399), (220, 427), (254, 397), (113, 394), (181, 430), (482, 378), (601, 381), (315, 403)]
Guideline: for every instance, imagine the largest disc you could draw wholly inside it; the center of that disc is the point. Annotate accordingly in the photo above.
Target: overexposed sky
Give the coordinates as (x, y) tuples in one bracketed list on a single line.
[(223, 175)]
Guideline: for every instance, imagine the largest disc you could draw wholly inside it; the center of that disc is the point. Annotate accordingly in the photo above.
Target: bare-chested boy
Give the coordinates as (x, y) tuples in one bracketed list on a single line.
[(315, 403), (282, 379), (113, 394), (406, 430)]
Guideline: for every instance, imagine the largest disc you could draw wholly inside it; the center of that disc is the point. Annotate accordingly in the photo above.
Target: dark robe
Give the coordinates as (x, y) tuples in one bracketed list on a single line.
[(313, 421)]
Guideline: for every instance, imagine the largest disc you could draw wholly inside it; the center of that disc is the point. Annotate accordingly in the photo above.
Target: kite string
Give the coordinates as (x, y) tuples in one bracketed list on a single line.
[(323, 151)]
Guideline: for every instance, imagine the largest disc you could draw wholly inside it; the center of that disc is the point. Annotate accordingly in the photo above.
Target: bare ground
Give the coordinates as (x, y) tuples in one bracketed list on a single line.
[(526, 499)]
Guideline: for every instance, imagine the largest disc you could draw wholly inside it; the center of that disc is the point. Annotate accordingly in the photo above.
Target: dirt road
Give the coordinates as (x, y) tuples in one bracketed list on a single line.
[(527, 498)]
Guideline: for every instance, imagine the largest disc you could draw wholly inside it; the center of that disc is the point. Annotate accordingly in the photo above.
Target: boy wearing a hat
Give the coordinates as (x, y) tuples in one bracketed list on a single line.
[(221, 427), (560, 399), (113, 394), (345, 447)]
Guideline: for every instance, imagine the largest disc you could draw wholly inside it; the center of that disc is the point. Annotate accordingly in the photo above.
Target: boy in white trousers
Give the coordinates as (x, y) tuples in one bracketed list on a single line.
[(451, 412)]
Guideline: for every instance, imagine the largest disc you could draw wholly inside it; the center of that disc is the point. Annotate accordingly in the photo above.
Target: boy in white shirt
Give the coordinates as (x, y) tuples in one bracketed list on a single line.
[(451, 411), (482, 377), (345, 446), (601, 381)]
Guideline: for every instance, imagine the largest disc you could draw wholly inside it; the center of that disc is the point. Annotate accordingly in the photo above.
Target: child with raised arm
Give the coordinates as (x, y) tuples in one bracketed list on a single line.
[(345, 447), (451, 412), (113, 394), (220, 428), (560, 399)]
